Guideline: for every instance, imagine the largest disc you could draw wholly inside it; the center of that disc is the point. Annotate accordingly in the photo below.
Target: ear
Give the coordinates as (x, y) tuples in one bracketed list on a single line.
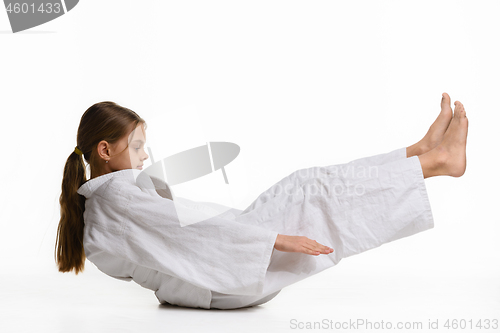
[(103, 150)]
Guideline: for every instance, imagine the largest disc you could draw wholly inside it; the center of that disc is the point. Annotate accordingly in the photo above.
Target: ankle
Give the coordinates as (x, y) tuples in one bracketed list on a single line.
[(417, 149), (441, 156), (434, 162)]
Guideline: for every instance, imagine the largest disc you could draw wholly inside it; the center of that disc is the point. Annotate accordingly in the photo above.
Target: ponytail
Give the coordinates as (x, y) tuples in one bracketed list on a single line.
[(69, 252)]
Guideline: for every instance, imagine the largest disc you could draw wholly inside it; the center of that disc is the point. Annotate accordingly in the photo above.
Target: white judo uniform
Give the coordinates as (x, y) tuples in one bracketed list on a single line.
[(132, 231)]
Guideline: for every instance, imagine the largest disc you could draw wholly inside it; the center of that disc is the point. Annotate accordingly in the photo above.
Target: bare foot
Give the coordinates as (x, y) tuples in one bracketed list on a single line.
[(435, 134), (448, 158)]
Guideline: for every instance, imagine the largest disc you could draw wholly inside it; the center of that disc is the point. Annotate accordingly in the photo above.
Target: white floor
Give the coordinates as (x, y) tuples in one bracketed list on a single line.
[(94, 302)]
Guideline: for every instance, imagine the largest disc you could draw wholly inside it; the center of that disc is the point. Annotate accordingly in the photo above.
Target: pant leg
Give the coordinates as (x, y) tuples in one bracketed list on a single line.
[(350, 207)]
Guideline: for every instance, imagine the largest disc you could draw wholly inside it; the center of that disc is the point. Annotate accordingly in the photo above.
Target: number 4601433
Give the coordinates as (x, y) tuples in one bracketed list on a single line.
[(25, 8)]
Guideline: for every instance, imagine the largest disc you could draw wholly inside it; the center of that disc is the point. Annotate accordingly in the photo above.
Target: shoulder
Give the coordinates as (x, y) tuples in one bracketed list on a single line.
[(101, 185), (120, 185), (110, 186), (132, 183), (125, 185)]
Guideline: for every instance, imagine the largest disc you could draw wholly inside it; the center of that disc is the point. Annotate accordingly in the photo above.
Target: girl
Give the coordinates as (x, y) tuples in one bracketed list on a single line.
[(127, 222)]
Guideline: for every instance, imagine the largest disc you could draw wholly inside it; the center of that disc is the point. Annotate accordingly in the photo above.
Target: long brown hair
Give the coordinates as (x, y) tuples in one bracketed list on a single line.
[(102, 121)]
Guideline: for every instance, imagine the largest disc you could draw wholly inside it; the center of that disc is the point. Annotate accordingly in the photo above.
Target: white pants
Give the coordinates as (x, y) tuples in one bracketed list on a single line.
[(350, 207)]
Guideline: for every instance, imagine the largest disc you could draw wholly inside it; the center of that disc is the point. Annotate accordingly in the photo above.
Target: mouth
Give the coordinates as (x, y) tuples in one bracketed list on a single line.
[(140, 167)]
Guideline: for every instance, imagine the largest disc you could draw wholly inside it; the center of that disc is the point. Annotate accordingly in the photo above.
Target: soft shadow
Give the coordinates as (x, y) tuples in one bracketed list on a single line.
[(170, 307)]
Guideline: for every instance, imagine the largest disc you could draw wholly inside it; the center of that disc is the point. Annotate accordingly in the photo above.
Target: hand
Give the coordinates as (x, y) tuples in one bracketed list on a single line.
[(300, 244)]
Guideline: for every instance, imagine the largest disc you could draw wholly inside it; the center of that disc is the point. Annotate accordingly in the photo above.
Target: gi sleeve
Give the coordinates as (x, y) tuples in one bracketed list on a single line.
[(216, 254)]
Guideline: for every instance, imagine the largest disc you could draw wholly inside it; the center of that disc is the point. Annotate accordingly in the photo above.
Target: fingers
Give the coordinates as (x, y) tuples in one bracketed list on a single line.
[(314, 248), (301, 244)]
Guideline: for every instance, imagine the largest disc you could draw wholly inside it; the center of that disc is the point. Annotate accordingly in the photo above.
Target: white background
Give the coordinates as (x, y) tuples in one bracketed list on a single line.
[(295, 84)]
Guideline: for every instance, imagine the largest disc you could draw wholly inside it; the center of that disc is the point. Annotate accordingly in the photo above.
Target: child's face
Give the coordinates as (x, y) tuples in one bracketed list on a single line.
[(134, 156)]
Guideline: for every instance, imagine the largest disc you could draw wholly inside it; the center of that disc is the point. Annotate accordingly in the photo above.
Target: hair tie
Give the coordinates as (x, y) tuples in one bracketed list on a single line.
[(78, 151)]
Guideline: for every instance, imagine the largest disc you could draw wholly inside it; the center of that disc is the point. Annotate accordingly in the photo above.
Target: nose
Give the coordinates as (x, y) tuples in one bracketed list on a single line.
[(142, 154)]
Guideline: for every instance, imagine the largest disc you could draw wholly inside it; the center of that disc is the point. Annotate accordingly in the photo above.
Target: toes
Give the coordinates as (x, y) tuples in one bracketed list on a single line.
[(459, 110), (446, 106), (445, 101)]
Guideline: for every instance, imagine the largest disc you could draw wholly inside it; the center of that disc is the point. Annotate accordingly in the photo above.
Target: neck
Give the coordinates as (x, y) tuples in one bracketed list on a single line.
[(94, 173)]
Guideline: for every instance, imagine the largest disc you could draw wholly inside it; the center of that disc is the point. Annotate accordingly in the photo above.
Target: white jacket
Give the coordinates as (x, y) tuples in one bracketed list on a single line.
[(133, 233)]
